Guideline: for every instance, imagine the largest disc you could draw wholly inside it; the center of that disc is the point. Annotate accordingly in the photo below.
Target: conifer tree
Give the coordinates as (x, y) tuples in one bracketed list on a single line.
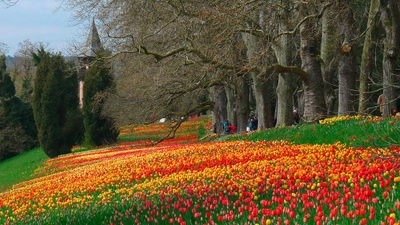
[(17, 127), (7, 88), (55, 104), (99, 129)]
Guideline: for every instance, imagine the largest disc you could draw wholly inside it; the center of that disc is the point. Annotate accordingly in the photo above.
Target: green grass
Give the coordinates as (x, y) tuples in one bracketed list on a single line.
[(132, 137), (350, 132), (20, 168)]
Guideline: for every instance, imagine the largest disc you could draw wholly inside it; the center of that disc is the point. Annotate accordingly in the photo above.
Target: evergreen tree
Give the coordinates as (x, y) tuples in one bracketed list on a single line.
[(56, 112), (17, 127), (7, 88), (99, 129)]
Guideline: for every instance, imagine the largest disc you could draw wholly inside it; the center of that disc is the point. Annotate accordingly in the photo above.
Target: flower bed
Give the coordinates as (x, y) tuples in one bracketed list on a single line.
[(213, 183)]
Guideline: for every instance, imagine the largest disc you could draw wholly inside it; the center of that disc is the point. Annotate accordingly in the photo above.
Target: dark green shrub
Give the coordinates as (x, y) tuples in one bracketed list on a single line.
[(20, 114), (99, 129), (7, 88)]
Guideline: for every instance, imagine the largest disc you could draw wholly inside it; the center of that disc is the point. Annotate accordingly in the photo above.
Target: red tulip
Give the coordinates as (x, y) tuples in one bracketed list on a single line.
[(363, 221), (385, 195)]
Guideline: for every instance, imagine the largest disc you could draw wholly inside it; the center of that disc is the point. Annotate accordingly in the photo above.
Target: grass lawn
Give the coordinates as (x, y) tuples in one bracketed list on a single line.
[(20, 168), (374, 132)]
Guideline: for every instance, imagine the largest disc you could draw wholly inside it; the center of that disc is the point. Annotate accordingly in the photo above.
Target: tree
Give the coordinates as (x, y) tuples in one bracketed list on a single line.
[(390, 19), (329, 57), (199, 48), (7, 88), (220, 112), (262, 88), (283, 49), (191, 47), (55, 104), (314, 107), (347, 61), (3, 48), (24, 69), (367, 60), (17, 127), (99, 129)]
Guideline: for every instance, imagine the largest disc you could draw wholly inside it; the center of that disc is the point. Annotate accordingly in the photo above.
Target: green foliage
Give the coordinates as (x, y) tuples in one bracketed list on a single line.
[(7, 88), (20, 168), (202, 132), (19, 113), (99, 129), (55, 105), (381, 133), (133, 137), (73, 129), (17, 127), (37, 57), (27, 89)]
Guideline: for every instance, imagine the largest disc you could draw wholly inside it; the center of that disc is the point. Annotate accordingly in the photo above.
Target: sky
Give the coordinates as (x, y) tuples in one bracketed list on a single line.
[(38, 21)]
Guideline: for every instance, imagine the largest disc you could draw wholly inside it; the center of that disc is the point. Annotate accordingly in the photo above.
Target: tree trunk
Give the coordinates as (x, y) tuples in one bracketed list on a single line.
[(263, 103), (262, 91), (347, 64), (329, 59), (286, 83), (314, 102), (347, 83), (367, 58), (220, 112), (284, 105), (390, 17), (230, 106), (242, 103)]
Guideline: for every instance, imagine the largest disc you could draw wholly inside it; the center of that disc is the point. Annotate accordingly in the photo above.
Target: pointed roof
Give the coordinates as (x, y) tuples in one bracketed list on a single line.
[(93, 43)]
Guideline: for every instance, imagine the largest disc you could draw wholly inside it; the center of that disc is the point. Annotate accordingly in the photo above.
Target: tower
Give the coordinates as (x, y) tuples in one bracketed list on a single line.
[(91, 50)]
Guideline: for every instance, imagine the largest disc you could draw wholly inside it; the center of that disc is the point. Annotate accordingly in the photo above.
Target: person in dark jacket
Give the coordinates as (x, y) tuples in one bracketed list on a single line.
[(254, 123), (225, 125)]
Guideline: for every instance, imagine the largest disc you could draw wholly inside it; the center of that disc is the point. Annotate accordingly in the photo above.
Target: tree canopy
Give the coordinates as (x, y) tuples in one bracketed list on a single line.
[(274, 55)]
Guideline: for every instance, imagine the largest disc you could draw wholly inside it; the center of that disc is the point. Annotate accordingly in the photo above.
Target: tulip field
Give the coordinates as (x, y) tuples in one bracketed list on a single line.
[(182, 181)]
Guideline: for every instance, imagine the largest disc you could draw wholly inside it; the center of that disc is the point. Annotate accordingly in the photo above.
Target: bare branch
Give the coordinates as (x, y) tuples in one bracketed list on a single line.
[(182, 117), (319, 15), (9, 3), (368, 27), (283, 69)]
